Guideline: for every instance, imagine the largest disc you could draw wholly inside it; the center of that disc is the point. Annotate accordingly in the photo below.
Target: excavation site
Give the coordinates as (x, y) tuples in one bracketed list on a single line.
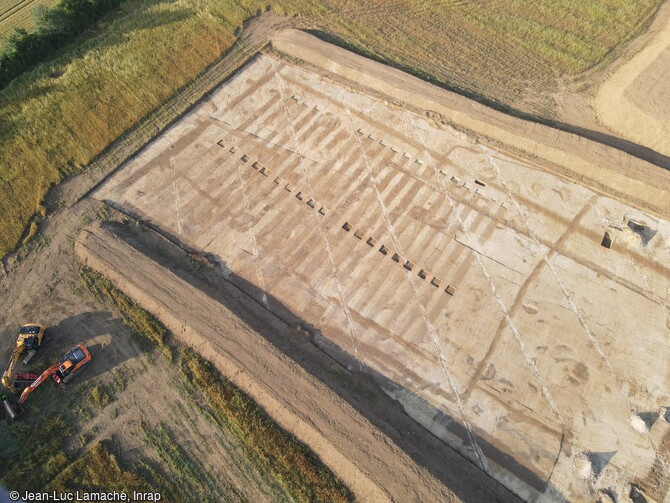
[(466, 273)]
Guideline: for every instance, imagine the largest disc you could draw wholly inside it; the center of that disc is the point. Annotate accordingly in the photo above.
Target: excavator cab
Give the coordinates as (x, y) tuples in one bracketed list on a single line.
[(65, 368), (72, 363), (32, 336)]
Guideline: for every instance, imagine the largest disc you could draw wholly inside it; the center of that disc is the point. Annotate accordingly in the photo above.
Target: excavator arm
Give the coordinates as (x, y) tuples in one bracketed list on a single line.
[(43, 377), (9, 371), (68, 367)]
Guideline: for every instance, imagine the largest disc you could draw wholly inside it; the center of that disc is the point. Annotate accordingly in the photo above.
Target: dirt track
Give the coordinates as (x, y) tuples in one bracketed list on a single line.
[(367, 460), (634, 102)]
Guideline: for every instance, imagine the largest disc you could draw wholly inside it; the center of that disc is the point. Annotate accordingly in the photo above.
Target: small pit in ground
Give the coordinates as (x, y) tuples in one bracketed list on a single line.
[(643, 230), (607, 241)]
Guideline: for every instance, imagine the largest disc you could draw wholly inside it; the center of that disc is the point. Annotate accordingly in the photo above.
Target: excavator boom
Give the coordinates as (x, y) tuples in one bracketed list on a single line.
[(67, 368), (43, 377), (9, 370)]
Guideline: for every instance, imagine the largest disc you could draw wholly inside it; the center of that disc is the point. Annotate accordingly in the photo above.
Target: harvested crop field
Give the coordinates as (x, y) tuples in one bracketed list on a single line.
[(467, 281), (19, 14)]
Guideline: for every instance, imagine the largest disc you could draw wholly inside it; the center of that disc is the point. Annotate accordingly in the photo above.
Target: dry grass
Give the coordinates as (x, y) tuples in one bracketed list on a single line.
[(186, 478), (509, 51), (98, 469), (35, 455)]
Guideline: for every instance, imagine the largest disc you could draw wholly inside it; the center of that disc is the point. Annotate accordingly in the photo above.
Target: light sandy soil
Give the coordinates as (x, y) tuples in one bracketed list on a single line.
[(634, 100), (521, 369), (233, 331)]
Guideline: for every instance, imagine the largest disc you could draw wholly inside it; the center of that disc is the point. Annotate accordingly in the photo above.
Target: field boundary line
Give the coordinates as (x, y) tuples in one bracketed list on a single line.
[(116, 155)]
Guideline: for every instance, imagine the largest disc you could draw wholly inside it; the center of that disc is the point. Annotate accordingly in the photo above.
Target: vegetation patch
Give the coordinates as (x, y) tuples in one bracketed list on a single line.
[(292, 463), (20, 14), (29, 466), (99, 396), (98, 469), (35, 455), (187, 480), (141, 321), (54, 29)]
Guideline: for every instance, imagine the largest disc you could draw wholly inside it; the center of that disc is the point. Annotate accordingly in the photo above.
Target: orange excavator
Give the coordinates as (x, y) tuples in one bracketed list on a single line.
[(62, 372)]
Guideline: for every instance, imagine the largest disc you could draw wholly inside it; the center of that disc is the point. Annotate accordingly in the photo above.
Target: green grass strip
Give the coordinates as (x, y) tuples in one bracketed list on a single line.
[(291, 462)]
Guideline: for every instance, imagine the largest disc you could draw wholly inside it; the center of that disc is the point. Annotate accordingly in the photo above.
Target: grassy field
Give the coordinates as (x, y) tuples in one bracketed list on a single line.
[(19, 14), (293, 465), (57, 118)]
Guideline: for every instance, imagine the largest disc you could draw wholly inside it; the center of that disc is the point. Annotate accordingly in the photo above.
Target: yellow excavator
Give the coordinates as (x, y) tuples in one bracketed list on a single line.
[(62, 372), (28, 342)]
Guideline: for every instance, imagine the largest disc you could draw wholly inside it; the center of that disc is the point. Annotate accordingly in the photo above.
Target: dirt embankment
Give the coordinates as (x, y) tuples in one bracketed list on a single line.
[(366, 459), (305, 407), (597, 165)]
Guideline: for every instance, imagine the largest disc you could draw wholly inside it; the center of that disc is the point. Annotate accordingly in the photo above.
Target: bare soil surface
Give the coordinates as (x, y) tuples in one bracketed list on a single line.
[(388, 457), (277, 366), (634, 100), (266, 174)]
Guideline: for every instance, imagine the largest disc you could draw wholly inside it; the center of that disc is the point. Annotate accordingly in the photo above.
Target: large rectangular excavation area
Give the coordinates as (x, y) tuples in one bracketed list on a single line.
[(520, 317)]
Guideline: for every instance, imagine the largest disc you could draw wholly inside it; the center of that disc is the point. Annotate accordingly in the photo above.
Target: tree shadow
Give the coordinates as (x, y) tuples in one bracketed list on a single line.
[(112, 30)]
